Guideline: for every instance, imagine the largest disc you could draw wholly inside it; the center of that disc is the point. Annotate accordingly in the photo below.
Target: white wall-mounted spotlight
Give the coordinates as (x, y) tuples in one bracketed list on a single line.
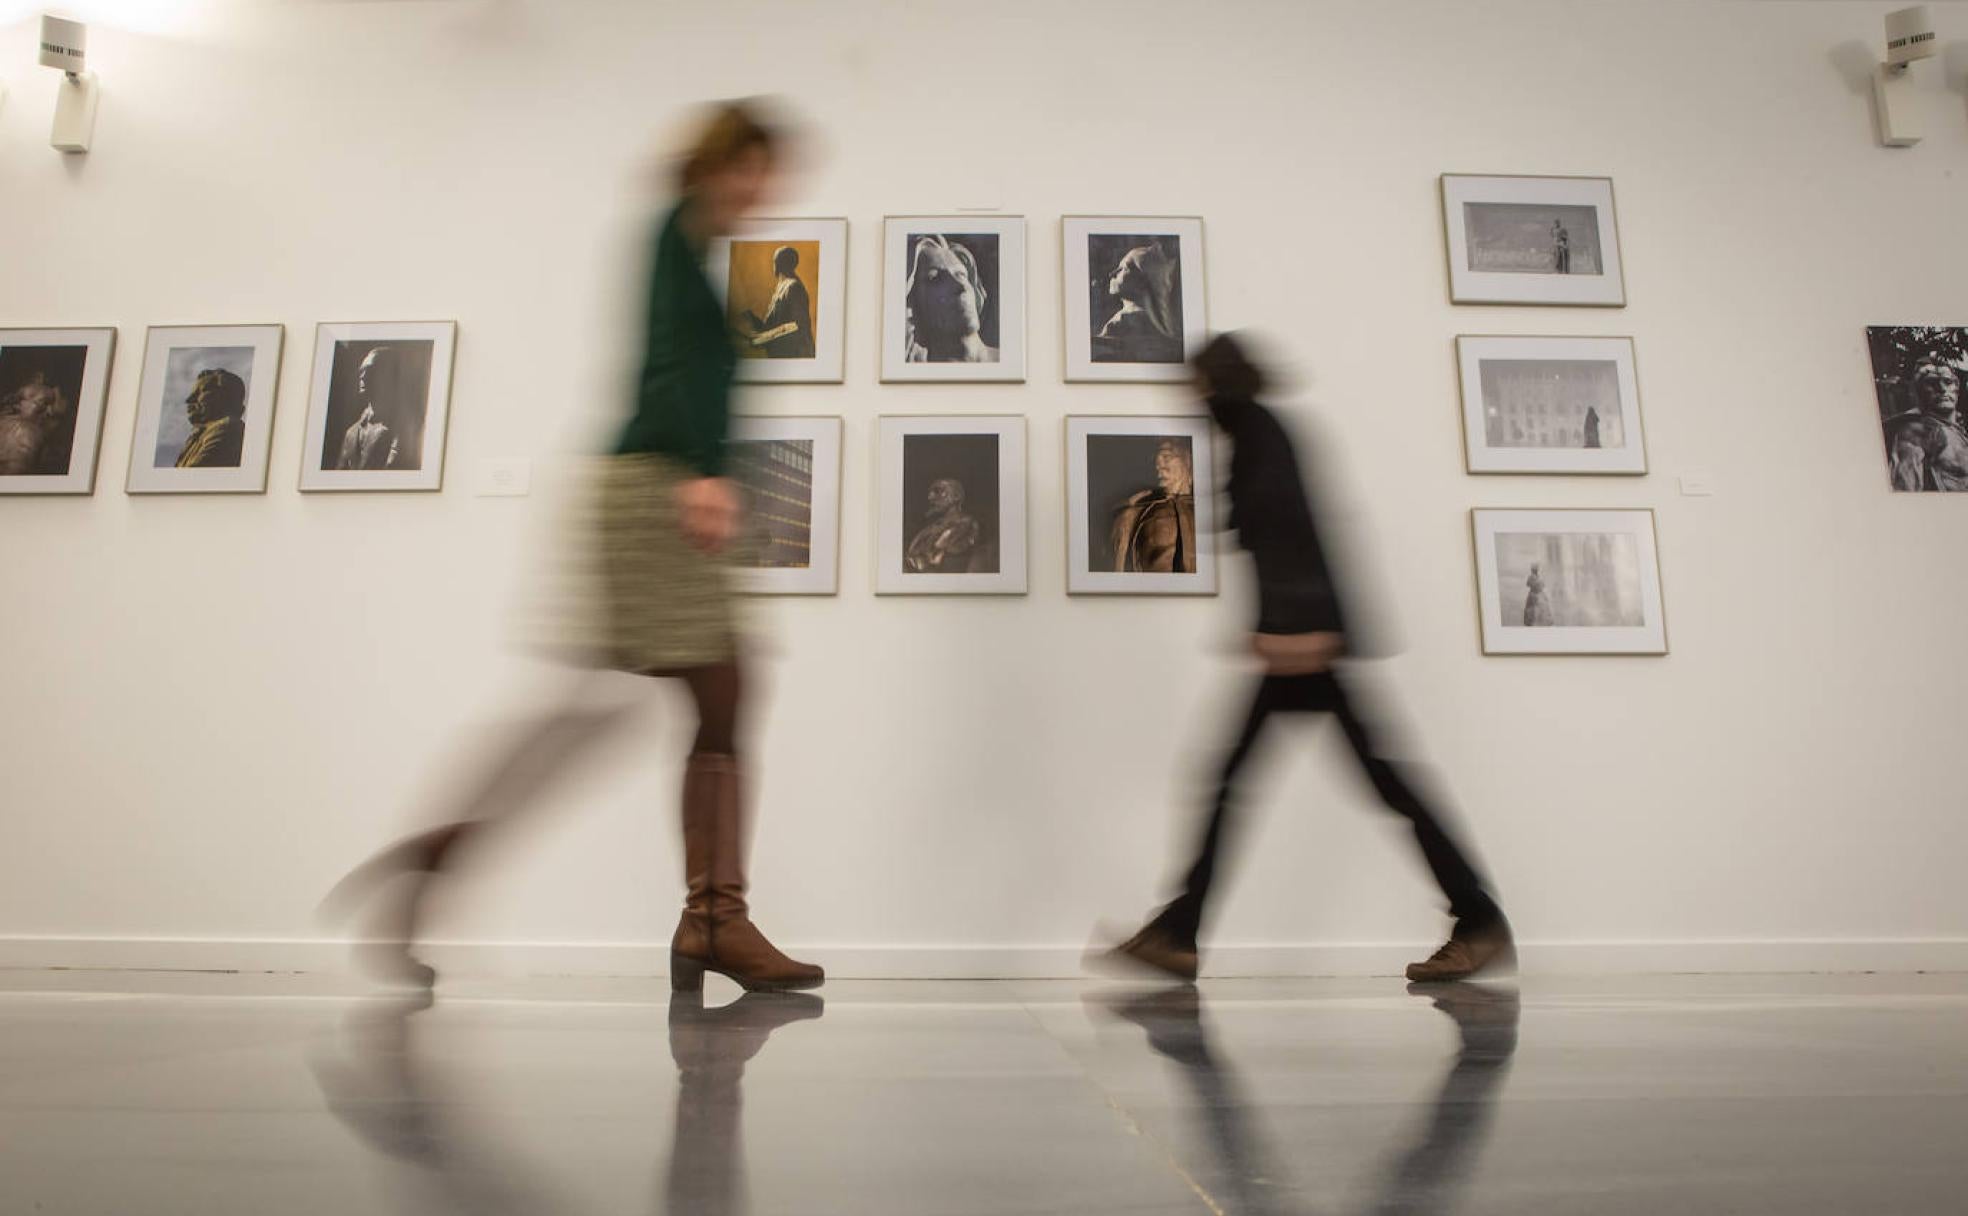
[(1909, 38), (65, 47)]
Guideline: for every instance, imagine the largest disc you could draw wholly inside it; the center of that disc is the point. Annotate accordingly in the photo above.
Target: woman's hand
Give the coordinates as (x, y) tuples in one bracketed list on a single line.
[(709, 506), (1296, 654)]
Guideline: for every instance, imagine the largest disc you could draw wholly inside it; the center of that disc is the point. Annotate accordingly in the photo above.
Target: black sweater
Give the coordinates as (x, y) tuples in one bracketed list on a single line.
[(1273, 518)]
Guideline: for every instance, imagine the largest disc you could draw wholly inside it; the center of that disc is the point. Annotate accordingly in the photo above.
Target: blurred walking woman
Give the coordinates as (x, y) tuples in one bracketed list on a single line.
[(666, 515)]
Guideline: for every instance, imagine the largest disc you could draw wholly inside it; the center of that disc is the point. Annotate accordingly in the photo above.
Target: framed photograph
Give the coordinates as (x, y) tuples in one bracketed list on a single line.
[(1135, 296), (1532, 240), (1918, 372), (784, 286), (1140, 506), (1568, 582), (205, 409), (378, 405), (950, 518), (953, 298), (789, 470), (1550, 405), (53, 383)]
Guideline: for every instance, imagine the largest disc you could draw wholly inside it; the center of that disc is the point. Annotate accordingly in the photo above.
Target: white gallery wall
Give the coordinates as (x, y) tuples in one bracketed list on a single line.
[(212, 706)]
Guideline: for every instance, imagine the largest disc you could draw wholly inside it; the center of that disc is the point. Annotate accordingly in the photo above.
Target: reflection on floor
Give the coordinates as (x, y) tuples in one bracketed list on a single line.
[(124, 1093)]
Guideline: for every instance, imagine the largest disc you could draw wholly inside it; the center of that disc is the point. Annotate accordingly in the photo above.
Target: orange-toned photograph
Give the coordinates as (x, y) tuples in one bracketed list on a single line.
[(770, 300)]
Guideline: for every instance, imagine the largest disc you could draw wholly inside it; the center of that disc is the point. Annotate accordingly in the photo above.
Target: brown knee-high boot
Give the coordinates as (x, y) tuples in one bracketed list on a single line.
[(716, 933)]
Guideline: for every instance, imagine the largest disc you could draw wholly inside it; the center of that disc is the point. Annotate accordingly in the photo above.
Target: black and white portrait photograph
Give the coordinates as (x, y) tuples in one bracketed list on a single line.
[(1140, 503), (789, 475), (205, 409), (1568, 582), (784, 287), (378, 406), (1550, 405), (952, 510), (954, 299), (1532, 240), (1134, 299), (53, 384), (1917, 374)]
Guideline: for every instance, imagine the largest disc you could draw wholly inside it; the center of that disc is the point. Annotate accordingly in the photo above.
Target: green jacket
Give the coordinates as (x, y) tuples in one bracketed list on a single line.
[(683, 397)]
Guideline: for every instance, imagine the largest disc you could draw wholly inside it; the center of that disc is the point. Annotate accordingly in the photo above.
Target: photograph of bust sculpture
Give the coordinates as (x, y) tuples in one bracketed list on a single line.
[(1919, 372), (1135, 304), (39, 389), (1145, 487), (202, 415), (377, 395), (950, 298), (950, 504)]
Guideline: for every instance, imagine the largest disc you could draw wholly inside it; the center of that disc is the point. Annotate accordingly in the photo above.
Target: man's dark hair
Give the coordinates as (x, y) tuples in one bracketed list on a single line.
[(1229, 370)]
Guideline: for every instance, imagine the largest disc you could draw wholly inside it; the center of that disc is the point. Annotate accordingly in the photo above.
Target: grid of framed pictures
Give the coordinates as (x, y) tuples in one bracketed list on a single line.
[(1563, 581)]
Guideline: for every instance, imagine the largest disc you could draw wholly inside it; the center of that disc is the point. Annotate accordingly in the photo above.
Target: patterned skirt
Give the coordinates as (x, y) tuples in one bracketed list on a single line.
[(644, 599)]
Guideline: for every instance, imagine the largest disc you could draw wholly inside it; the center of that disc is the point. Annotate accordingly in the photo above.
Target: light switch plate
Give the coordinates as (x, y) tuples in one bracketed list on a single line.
[(508, 478)]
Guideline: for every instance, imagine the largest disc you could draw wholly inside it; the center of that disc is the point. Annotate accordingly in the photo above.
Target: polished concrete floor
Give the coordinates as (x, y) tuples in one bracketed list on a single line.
[(133, 1093)]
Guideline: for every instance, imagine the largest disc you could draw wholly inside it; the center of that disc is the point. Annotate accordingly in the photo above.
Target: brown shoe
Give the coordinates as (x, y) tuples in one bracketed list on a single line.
[(1153, 948), (716, 933), (1468, 952)]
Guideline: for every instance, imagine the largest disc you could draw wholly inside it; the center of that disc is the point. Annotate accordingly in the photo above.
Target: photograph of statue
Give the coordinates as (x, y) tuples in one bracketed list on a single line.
[(1135, 297), (378, 406), (207, 429), (951, 295), (950, 504), (1917, 373), (376, 399), (1532, 238), (953, 298), (1140, 510), (40, 395), (1569, 579), (770, 299), (1143, 488), (950, 515)]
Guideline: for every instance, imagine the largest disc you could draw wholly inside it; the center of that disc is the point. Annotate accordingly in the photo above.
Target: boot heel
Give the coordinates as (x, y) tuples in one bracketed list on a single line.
[(686, 974)]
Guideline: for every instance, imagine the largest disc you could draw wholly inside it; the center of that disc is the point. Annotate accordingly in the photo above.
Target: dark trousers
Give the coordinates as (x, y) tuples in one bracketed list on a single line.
[(1469, 900)]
